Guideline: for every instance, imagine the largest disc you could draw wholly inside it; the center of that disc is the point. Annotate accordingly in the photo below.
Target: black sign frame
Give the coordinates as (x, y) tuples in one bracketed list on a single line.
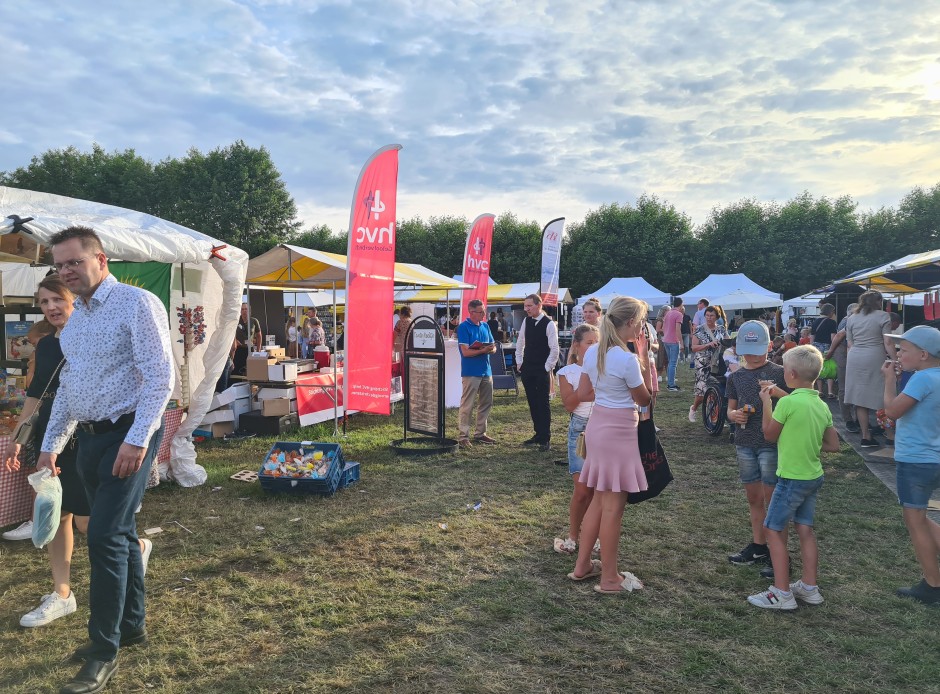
[(424, 342)]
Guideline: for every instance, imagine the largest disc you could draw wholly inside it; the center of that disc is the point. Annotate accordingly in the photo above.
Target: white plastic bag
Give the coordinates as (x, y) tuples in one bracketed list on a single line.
[(47, 510)]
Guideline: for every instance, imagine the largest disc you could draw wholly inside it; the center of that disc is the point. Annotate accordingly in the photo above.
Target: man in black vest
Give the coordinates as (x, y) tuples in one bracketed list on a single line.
[(536, 356)]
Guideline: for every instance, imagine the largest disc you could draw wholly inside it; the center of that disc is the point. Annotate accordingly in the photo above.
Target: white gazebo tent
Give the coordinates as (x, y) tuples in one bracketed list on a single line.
[(715, 286), (207, 272), (637, 287)]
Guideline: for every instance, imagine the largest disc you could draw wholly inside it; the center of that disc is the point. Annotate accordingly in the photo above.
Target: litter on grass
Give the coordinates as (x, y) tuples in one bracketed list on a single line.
[(442, 526), (183, 527), (217, 489), (153, 531), (245, 476)]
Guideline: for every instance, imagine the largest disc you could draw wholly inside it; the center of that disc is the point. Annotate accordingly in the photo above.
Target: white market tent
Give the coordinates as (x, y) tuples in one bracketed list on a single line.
[(739, 300), (715, 286), (637, 287), (201, 277), (19, 279), (807, 303)]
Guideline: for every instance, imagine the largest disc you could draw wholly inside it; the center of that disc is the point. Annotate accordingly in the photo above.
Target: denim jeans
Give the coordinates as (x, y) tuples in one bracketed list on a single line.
[(116, 589), (575, 427), (672, 351)]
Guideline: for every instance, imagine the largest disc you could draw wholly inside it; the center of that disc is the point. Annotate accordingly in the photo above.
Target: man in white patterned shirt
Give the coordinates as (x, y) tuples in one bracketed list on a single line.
[(114, 388)]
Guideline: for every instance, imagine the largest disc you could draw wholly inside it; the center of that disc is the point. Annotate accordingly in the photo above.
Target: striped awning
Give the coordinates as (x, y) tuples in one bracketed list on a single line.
[(908, 275)]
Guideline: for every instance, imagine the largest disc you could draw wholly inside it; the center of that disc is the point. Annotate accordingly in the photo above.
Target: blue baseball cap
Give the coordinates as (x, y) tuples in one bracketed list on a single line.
[(753, 338), (923, 337)]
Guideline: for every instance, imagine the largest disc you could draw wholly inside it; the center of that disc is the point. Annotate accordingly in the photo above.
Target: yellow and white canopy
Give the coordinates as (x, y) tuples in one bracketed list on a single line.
[(496, 294), (293, 267)]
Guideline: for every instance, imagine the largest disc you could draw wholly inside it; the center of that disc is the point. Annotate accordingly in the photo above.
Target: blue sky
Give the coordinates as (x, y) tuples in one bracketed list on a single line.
[(542, 108)]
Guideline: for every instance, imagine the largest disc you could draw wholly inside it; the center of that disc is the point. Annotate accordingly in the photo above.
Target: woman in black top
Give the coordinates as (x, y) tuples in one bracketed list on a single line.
[(823, 331), (55, 300)]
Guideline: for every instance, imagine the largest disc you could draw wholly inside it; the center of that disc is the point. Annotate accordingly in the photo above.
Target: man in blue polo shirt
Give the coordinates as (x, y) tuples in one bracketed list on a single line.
[(476, 345)]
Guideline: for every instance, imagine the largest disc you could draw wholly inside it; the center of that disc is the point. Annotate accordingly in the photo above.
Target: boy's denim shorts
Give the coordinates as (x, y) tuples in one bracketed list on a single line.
[(757, 464), (793, 500), (916, 483), (575, 427)]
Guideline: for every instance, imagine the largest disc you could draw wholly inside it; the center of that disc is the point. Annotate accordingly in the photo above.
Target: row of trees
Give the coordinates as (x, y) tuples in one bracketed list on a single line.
[(236, 194)]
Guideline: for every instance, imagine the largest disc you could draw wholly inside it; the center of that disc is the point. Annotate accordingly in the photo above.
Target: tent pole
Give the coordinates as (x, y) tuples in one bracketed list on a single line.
[(335, 382)]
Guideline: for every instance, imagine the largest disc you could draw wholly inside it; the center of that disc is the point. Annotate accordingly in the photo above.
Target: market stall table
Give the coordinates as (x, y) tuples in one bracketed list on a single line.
[(16, 496)]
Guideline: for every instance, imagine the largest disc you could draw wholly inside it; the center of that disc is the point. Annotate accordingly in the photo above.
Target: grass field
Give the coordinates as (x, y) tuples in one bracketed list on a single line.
[(366, 592)]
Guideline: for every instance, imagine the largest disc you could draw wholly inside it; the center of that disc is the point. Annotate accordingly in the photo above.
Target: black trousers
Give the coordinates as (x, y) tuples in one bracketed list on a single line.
[(536, 385)]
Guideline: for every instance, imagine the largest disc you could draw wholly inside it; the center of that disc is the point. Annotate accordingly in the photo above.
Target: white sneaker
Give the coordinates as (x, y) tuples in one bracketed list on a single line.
[(801, 592), (51, 608), (24, 532), (145, 554), (693, 415), (773, 599)]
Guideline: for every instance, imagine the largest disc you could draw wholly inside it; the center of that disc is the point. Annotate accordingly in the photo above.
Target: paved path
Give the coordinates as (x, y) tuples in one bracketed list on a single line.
[(879, 460)]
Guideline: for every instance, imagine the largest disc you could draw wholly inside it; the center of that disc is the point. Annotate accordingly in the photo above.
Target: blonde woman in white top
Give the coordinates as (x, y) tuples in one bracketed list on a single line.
[(617, 381), (569, 377)]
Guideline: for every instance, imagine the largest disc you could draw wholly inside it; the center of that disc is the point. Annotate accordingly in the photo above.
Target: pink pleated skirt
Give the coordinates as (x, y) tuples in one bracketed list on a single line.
[(613, 456)]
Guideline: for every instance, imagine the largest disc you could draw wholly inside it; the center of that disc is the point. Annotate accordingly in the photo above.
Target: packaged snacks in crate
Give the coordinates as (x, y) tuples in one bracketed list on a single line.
[(302, 467)]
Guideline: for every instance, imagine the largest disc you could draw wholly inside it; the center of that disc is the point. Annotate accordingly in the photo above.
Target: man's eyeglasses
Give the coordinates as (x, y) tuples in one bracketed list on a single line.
[(71, 264)]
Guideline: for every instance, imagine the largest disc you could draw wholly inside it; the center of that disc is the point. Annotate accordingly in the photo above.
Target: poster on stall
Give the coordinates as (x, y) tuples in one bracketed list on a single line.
[(370, 276), (476, 261), (18, 346)]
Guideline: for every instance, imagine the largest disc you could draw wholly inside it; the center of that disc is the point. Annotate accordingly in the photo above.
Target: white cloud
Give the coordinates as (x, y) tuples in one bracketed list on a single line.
[(529, 107)]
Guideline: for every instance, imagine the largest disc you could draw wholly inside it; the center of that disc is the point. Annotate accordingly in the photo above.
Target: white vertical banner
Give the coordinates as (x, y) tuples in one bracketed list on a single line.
[(551, 260)]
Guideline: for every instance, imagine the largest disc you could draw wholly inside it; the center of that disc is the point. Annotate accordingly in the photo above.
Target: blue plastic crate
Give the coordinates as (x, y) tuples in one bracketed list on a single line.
[(324, 486), (350, 475)]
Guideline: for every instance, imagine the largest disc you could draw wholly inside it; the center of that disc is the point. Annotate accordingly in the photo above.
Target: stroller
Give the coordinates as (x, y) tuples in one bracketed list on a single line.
[(715, 404)]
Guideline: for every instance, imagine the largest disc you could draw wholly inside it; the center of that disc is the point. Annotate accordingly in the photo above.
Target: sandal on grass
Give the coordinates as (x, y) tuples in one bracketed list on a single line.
[(595, 571), (628, 585), (566, 546)]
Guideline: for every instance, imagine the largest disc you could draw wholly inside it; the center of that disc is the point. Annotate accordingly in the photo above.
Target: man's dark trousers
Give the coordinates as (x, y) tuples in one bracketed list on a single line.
[(116, 591), (536, 384)]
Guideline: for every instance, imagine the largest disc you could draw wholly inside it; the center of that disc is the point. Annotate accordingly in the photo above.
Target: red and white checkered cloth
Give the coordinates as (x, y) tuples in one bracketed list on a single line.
[(16, 496), (171, 422)]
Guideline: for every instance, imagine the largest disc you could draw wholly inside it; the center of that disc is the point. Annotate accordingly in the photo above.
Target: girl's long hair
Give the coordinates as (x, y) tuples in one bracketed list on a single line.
[(623, 310)]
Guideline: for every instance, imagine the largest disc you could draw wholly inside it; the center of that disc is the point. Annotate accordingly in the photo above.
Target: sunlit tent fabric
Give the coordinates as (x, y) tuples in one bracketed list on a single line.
[(740, 300), (496, 294), (293, 267), (720, 285), (637, 287), (213, 282), (19, 279), (911, 274)]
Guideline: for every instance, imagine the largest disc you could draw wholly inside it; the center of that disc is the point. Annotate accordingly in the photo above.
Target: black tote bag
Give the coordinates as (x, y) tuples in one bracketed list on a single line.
[(658, 474)]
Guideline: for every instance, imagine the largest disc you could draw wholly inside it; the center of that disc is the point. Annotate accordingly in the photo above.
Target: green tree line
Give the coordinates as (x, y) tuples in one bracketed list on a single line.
[(236, 194)]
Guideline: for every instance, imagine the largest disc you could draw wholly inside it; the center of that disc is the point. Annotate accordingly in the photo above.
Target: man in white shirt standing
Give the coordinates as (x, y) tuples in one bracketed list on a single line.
[(536, 356), (114, 388)]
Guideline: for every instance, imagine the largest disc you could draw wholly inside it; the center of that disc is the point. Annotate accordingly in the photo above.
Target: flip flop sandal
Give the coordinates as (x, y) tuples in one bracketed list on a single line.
[(595, 571), (628, 585)]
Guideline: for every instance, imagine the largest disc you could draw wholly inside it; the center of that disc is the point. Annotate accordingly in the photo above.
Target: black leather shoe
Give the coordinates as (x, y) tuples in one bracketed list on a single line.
[(93, 677), (82, 653), (531, 442)]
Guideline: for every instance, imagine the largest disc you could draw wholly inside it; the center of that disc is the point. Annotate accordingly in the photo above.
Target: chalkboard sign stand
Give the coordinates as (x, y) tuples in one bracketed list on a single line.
[(423, 385)]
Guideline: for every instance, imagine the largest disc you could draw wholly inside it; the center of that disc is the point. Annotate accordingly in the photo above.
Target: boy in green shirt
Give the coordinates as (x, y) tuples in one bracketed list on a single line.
[(801, 425)]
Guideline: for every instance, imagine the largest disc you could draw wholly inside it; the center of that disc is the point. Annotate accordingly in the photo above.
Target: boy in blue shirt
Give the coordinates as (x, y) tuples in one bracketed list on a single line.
[(801, 425), (916, 412), (476, 345)]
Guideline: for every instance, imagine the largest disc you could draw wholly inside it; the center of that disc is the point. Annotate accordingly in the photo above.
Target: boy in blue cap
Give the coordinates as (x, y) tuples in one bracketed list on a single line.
[(757, 457), (916, 412)]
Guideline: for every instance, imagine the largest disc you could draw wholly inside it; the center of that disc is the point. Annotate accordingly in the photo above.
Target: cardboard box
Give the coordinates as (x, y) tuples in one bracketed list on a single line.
[(241, 406), (277, 407), (285, 371), (276, 352), (268, 393), (257, 369), (215, 431), (223, 414), (229, 395)]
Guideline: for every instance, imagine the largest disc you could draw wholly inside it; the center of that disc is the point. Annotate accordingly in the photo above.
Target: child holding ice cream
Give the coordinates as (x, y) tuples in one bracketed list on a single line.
[(757, 457)]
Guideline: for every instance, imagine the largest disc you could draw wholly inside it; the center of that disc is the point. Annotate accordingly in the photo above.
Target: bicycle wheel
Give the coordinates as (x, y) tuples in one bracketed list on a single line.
[(713, 411)]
